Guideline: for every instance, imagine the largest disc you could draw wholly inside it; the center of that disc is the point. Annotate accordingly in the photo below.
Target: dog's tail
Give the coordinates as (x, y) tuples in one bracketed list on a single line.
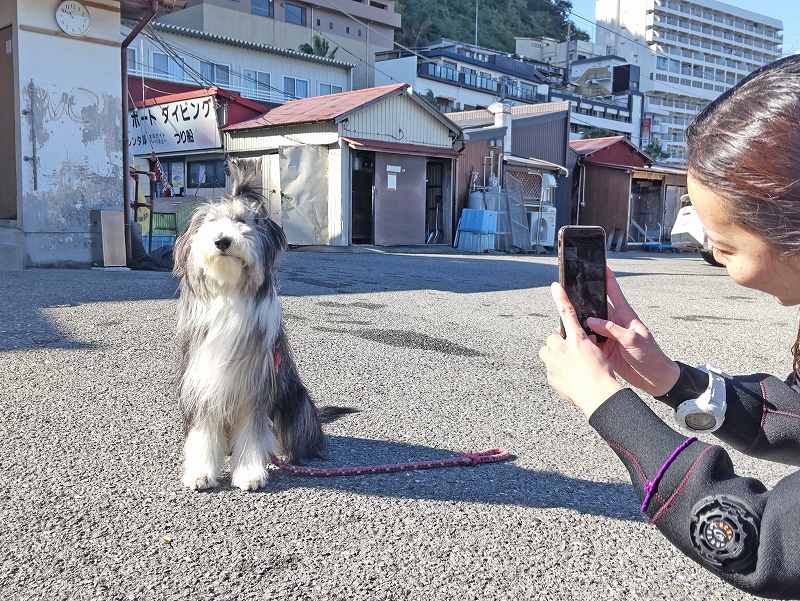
[(297, 423)]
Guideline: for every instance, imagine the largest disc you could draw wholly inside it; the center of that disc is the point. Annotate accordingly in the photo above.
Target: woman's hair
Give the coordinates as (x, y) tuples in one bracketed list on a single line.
[(745, 146)]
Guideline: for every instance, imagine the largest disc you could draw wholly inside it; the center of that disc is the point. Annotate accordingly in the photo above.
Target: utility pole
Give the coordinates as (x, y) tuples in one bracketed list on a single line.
[(566, 67), (476, 22)]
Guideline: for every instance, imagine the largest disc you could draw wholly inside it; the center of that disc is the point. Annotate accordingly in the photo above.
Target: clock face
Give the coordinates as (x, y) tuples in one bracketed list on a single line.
[(72, 17)]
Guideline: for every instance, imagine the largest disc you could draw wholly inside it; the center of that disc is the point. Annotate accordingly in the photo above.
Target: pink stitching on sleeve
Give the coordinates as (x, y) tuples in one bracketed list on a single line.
[(681, 486), (636, 465)]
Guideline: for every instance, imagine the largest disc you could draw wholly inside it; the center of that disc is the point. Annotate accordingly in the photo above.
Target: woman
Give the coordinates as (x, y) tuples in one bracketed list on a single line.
[(744, 182)]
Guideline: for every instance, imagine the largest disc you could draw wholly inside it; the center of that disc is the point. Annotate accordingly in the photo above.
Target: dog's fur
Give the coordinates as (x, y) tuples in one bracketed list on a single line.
[(240, 392)]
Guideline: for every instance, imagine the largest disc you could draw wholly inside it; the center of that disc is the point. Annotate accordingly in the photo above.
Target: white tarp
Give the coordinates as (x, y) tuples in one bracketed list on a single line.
[(174, 127)]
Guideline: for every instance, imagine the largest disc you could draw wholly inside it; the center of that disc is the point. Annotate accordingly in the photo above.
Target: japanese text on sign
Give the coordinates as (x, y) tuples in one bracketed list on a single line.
[(183, 125)]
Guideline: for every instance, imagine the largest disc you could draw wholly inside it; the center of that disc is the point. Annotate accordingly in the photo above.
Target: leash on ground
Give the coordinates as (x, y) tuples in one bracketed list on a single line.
[(463, 460)]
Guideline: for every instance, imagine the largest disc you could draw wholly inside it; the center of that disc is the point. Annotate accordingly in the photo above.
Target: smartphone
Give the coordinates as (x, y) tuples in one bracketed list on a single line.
[(582, 272)]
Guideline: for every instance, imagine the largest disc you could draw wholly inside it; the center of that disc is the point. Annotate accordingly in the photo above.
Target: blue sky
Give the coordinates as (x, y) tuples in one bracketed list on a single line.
[(786, 10)]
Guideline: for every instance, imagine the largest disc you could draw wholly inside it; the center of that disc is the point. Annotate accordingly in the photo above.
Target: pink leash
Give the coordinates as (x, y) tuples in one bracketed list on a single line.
[(463, 460)]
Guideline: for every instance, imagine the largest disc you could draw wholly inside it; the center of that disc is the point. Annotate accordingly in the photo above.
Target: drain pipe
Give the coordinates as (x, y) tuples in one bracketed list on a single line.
[(126, 193)]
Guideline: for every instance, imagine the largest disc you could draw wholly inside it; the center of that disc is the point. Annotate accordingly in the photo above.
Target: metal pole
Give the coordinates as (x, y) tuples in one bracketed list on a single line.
[(126, 193), (476, 22)]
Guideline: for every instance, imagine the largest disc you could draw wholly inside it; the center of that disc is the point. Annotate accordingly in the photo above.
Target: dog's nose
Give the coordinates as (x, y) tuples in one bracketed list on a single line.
[(222, 243)]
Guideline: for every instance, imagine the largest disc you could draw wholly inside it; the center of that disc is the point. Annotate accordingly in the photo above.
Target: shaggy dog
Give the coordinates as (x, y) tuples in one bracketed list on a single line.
[(240, 393)]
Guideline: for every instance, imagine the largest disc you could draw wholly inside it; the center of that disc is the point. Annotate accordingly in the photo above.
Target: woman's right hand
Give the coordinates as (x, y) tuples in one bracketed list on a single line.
[(630, 348)]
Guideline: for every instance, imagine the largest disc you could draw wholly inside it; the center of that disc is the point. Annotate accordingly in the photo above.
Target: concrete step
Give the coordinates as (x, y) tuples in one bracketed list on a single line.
[(12, 249)]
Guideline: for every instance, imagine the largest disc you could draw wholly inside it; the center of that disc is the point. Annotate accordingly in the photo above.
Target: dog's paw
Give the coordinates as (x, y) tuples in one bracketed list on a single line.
[(199, 481), (250, 477)]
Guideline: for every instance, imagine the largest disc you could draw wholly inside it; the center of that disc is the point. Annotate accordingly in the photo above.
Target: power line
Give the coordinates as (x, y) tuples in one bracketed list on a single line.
[(172, 50), (366, 62)]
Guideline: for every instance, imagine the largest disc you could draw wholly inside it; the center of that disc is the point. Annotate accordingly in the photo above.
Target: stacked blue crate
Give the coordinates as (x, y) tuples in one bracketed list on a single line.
[(477, 230)]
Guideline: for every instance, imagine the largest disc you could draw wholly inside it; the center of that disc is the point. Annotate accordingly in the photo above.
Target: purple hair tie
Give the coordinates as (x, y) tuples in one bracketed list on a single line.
[(650, 486)]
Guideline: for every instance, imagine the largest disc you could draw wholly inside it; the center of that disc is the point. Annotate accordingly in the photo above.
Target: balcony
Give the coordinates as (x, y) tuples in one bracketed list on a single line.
[(659, 20), (719, 21), (248, 89), (474, 81)]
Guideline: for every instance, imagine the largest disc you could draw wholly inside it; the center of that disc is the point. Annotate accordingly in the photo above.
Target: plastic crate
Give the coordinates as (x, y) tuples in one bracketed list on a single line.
[(158, 241)]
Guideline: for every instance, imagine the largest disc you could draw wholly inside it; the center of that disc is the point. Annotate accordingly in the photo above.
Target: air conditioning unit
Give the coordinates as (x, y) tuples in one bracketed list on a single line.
[(546, 226)]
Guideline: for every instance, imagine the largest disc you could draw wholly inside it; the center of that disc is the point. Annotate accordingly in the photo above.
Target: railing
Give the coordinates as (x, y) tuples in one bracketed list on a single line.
[(248, 89), (479, 82)]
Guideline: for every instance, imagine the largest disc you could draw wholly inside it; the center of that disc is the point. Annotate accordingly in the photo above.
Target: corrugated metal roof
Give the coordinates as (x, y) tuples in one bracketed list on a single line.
[(320, 108), (223, 39), (200, 93), (591, 145), (483, 117)]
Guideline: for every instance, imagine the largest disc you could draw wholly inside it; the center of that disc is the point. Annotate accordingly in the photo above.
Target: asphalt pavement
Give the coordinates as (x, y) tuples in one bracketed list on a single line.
[(439, 354)]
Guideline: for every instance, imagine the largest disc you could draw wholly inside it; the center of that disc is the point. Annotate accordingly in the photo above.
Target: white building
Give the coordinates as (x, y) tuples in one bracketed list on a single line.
[(558, 54), (259, 71), (357, 28), (697, 49), (61, 148), (459, 76)]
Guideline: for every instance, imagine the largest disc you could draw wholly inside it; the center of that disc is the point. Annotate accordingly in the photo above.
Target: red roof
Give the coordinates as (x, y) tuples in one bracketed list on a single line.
[(613, 151), (233, 96), (591, 145), (319, 108)]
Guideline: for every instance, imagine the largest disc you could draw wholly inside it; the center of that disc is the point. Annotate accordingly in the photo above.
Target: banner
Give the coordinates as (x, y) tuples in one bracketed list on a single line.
[(174, 127)]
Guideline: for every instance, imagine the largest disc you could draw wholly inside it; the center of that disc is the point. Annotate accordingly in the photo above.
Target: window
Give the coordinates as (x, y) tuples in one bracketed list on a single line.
[(222, 75), (262, 8), (319, 22), (207, 174), (359, 33), (330, 25), (207, 71), (133, 64), (295, 88), (295, 14), (347, 29), (256, 84), (160, 63), (328, 88)]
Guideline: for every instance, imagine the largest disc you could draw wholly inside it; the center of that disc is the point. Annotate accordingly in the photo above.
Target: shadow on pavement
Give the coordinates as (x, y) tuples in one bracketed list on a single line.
[(497, 484)]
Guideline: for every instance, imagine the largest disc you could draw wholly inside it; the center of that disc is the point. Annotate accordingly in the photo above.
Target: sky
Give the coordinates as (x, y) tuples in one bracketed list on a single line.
[(786, 10)]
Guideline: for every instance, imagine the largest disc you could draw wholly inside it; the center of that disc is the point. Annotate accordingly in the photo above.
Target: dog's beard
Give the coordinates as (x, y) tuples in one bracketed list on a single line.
[(226, 271)]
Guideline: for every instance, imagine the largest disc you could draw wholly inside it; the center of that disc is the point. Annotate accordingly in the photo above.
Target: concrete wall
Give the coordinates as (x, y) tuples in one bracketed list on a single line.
[(75, 126)]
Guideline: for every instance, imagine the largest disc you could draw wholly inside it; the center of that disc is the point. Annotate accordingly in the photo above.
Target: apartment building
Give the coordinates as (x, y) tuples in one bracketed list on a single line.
[(355, 29), (689, 52)]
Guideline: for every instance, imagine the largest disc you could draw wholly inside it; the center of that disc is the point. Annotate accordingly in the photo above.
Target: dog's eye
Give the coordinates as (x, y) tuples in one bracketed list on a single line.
[(240, 220)]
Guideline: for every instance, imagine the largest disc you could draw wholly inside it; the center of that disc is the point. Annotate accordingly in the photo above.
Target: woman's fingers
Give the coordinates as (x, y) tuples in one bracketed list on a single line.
[(609, 329), (622, 309), (567, 313)]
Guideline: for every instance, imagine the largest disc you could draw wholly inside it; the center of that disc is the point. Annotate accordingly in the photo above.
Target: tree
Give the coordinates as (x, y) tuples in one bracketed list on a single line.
[(318, 47), (655, 151), (597, 132)]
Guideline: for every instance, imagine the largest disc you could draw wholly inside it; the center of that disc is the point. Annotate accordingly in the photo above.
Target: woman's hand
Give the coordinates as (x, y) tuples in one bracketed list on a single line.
[(630, 348), (576, 366)]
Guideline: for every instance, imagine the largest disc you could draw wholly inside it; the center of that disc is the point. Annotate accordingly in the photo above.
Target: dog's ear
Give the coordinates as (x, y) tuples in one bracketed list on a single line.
[(273, 240), (183, 245), (246, 184)]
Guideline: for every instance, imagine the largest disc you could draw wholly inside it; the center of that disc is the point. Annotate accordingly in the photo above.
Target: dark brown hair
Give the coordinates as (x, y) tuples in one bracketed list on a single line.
[(745, 146)]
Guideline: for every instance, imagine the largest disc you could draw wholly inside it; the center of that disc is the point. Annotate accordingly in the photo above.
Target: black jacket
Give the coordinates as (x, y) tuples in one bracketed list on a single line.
[(731, 525)]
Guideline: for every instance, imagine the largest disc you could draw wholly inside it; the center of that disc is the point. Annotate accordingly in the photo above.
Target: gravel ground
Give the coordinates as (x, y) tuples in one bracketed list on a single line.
[(439, 352)]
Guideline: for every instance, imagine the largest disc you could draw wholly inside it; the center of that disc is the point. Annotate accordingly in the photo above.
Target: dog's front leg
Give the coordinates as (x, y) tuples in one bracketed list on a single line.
[(253, 444), (204, 455)]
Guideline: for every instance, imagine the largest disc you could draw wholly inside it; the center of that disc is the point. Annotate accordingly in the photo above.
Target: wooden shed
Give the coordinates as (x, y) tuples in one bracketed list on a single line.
[(371, 166), (602, 186)]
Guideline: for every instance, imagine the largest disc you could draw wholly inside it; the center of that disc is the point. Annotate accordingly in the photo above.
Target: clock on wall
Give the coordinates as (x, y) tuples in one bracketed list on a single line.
[(73, 18)]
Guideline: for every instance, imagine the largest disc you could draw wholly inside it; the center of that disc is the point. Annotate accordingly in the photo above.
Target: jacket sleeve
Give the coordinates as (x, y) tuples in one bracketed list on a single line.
[(763, 415), (729, 524)]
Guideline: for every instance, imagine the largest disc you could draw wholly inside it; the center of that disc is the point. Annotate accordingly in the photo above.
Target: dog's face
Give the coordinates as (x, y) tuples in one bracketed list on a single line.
[(229, 246)]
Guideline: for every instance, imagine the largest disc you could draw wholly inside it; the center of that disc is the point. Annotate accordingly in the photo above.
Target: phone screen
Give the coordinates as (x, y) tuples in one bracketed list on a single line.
[(584, 272)]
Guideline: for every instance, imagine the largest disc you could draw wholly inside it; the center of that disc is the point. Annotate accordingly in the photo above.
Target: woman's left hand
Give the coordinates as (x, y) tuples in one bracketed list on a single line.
[(576, 367)]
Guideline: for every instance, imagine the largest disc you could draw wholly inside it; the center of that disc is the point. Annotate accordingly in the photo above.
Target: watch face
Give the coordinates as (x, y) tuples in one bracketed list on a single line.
[(73, 18)]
